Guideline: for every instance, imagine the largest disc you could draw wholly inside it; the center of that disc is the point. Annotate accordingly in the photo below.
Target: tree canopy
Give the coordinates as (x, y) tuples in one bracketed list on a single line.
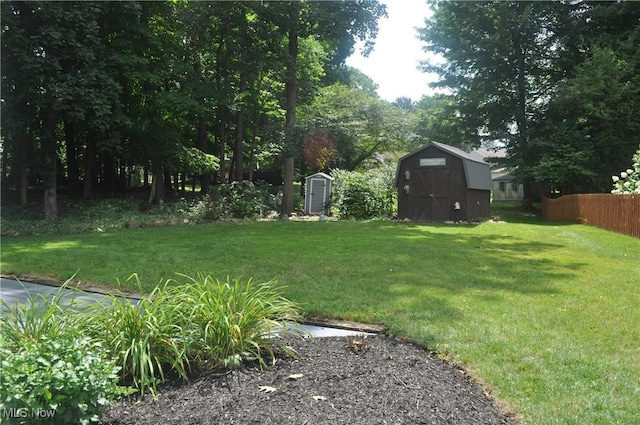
[(96, 96), (556, 83), (103, 97)]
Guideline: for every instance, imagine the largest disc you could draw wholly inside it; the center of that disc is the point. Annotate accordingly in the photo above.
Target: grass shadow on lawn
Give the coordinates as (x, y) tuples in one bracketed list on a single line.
[(472, 260), (312, 257), (450, 284)]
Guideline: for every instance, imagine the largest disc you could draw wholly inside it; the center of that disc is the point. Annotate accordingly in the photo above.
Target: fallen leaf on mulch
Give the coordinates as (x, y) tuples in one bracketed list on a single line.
[(267, 389)]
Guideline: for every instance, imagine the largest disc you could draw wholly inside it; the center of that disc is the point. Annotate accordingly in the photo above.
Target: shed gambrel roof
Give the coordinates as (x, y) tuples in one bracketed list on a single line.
[(477, 172)]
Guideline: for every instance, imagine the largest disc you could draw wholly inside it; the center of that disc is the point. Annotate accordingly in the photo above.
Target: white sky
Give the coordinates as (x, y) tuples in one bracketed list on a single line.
[(398, 52)]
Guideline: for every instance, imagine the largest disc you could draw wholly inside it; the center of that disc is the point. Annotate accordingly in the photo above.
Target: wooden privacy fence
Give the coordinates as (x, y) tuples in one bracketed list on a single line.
[(618, 213)]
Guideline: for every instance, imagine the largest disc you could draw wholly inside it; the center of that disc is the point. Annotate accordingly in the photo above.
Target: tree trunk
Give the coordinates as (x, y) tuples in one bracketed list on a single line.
[(49, 144), (202, 143), (73, 165), (168, 187), (252, 157), (222, 152), (290, 118), (89, 156), (123, 184), (24, 184), (157, 195), (521, 117), (291, 84), (221, 78), (109, 179), (239, 151), (21, 165), (287, 190), (51, 194)]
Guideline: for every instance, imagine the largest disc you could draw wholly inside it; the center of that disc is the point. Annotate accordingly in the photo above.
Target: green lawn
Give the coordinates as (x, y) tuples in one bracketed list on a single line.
[(547, 316)]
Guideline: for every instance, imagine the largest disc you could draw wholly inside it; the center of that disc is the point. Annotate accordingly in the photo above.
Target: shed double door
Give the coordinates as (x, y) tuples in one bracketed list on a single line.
[(318, 196), (430, 194)]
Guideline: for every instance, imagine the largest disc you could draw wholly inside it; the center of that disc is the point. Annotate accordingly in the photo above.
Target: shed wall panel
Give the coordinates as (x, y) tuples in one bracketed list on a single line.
[(317, 194), (435, 180)]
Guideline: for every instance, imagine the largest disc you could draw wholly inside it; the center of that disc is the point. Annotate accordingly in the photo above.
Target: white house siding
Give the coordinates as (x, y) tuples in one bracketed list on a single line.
[(506, 187)]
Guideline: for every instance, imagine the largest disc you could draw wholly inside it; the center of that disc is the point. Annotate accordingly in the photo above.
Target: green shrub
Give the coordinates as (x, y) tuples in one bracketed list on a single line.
[(49, 370), (68, 357), (238, 200), (68, 380), (629, 180), (364, 195), (98, 215)]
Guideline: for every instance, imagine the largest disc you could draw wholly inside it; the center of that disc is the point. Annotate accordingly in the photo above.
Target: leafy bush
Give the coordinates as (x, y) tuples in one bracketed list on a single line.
[(69, 379), (238, 200), (364, 195), (49, 369), (629, 180), (99, 215)]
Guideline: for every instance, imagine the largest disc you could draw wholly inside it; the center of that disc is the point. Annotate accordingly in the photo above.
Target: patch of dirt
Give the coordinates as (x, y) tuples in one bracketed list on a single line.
[(352, 380), (308, 217)]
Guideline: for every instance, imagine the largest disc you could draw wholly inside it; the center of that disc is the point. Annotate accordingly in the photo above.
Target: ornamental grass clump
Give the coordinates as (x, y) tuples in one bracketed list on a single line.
[(199, 324), (229, 322), (35, 320), (147, 337)]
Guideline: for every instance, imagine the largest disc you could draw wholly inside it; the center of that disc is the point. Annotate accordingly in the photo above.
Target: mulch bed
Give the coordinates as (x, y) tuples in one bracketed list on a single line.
[(352, 380)]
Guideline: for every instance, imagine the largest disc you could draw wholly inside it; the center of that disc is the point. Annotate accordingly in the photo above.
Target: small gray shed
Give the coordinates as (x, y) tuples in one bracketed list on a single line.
[(317, 193), (439, 183)]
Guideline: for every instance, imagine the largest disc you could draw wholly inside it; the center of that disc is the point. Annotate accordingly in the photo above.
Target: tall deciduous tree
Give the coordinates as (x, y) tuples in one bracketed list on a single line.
[(500, 65), (359, 125), (57, 69), (555, 81), (107, 88), (589, 128), (339, 24), (437, 120)]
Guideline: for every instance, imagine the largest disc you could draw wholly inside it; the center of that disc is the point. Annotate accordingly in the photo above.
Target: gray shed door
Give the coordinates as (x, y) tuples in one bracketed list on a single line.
[(318, 195)]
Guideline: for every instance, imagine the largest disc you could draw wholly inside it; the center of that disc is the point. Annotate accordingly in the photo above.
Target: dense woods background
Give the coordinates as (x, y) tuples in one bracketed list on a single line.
[(105, 97)]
